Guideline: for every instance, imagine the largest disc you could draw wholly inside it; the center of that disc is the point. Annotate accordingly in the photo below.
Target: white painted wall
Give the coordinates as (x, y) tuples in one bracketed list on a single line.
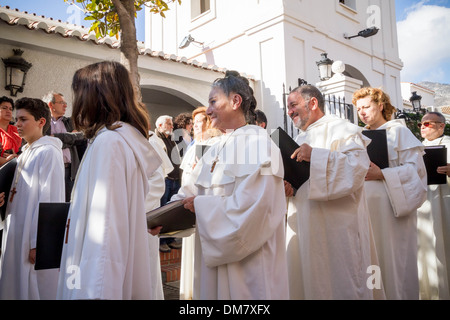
[(278, 41), (426, 94)]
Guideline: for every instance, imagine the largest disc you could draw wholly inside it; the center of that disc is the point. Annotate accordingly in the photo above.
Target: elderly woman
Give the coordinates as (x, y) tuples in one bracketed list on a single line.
[(9, 138), (393, 195)]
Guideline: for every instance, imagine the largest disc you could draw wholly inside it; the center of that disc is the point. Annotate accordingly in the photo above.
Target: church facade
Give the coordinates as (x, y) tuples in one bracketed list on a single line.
[(278, 42)]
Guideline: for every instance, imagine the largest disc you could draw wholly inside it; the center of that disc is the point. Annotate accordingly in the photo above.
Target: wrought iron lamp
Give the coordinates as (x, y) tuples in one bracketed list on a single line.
[(324, 67), (416, 101), (16, 69)]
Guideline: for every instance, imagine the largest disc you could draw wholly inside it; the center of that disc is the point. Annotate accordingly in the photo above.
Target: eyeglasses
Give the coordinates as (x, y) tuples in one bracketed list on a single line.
[(426, 123), (62, 102)]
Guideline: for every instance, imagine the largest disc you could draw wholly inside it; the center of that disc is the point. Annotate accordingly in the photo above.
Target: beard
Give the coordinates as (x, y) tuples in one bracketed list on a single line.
[(302, 120)]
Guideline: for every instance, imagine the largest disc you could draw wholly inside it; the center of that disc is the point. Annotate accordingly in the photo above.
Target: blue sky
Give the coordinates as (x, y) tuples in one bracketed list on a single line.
[(423, 33)]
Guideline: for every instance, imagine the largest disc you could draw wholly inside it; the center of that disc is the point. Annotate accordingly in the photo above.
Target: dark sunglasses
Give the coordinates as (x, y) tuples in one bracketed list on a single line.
[(426, 123)]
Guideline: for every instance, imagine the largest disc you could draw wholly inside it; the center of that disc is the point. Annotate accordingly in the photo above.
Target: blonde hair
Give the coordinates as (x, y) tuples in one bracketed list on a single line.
[(210, 131), (379, 97)]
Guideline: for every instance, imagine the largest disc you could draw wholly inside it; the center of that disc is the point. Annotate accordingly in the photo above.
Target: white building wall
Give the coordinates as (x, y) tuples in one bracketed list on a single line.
[(407, 88), (277, 42)]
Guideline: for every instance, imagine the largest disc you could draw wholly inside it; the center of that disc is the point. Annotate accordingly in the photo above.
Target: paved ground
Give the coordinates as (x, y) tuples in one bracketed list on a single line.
[(171, 290)]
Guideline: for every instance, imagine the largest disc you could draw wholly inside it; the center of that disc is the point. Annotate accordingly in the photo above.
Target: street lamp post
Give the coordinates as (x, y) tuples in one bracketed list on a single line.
[(416, 102), (324, 67), (16, 69)]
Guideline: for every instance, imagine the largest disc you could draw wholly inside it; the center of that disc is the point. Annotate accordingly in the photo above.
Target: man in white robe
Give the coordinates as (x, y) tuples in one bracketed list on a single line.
[(328, 230), (434, 220), (238, 199), (39, 177), (107, 255)]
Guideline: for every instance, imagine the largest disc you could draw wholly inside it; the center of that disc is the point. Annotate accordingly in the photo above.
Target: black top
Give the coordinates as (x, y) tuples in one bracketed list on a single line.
[(174, 155)]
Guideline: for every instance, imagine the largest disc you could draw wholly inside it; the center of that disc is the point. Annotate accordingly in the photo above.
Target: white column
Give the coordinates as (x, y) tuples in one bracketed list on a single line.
[(341, 86)]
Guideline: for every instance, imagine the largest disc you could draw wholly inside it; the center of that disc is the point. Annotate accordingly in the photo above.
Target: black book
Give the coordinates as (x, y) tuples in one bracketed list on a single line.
[(296, 173), (434, 157), (50, 234), (172, 217), (6, 179), (378, 148)]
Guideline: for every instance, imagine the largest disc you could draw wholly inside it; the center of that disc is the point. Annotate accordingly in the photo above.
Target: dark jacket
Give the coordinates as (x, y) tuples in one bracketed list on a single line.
[(75, 141), (174, 155)]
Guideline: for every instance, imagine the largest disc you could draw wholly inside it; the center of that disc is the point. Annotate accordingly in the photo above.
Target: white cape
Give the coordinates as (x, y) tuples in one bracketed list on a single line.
[(41, 180), (107, 255), (240, 210)]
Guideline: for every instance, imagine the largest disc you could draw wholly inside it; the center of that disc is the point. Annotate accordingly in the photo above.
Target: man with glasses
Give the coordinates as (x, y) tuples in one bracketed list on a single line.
[(73, 142), (434, 219)]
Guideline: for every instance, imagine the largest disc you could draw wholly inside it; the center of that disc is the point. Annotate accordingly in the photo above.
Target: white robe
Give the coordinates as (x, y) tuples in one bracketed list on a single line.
[(393, 204), (107, 254), (152, 201), (434, 237), (240, 211), (187, 253), (328, 226), (41, 169)]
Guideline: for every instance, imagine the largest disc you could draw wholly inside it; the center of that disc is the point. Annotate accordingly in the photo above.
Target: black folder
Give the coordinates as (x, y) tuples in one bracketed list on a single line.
[(172, 217), (50, 234), (378, 148), (6, 178), (296, 173), (434, 157)]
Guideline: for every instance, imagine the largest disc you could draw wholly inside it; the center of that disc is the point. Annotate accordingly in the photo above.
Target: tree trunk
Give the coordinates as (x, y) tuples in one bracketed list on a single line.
[(128, 42)]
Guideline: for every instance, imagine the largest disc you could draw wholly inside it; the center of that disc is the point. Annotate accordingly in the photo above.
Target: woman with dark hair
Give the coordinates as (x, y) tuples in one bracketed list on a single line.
[(106, 252), (10, 141), (237, 193)]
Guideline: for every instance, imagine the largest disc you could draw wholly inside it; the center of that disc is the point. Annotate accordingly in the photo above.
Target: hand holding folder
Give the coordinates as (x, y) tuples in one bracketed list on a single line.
[(172, 217), (434, 157), (378, 148), (296, 173)]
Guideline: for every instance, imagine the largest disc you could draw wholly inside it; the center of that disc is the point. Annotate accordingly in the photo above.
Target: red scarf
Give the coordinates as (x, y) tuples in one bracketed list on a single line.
[(10, 139)]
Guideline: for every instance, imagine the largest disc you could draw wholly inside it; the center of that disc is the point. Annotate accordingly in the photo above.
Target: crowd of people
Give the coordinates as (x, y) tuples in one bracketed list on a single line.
[(353, 230)]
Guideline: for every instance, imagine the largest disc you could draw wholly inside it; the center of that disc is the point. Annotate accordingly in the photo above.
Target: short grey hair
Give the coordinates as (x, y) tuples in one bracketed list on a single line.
[(438, 114), (161, 120), (50, 97), (309, 91)]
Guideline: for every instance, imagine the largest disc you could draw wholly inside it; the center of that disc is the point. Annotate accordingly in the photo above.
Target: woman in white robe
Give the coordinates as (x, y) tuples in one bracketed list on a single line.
[(204, 136), (238, 199), (106, 254), (393, 195), (39, 177)]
